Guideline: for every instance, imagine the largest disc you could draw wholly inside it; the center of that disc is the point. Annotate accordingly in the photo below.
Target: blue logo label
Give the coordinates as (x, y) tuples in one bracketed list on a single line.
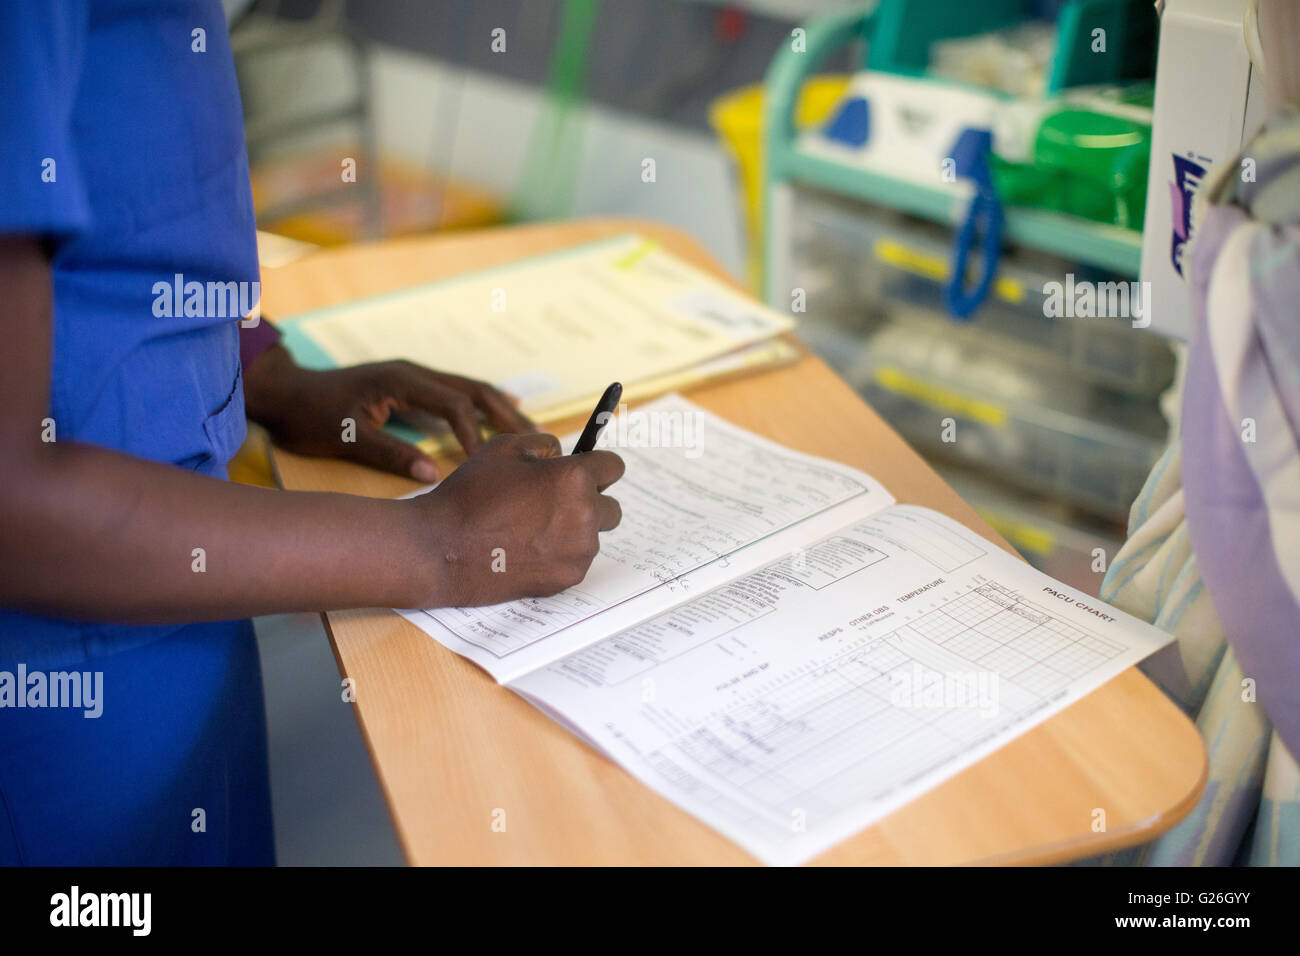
[(1187, 179)]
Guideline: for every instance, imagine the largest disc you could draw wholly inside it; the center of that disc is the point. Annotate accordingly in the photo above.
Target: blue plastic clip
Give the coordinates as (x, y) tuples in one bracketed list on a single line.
[(983, 220)]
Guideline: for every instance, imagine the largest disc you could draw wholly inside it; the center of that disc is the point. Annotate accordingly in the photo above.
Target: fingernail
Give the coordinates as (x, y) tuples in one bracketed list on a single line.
[(424, 470)]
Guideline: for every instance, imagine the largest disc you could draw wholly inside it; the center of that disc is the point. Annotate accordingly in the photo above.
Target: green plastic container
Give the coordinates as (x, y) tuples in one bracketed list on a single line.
[(1084, 163)]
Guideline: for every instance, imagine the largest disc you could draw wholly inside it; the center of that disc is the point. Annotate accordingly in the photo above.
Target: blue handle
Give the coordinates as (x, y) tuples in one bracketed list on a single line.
[(983, 217), (983, 222)]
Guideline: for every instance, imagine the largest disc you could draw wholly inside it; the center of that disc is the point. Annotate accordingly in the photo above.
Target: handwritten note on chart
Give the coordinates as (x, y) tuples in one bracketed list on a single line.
[(705, 497)]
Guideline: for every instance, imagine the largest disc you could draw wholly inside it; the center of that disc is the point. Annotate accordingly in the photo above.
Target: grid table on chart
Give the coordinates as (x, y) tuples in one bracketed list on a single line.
[(829, 736), (995, 629), (816, 738)]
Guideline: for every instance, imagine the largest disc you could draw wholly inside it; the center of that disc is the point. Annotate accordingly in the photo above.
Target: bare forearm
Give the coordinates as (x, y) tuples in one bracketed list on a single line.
[(93, 534)]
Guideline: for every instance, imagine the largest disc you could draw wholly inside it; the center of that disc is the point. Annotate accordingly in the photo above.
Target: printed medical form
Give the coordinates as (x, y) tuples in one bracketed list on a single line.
[(772, 643)]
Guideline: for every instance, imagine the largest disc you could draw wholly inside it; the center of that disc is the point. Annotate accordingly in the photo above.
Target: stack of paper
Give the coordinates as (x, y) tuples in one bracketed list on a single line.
[(554, 330)]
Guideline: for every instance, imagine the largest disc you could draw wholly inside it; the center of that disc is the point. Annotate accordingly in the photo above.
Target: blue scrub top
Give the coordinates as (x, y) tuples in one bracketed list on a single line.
[(121, 141), (141, 141)]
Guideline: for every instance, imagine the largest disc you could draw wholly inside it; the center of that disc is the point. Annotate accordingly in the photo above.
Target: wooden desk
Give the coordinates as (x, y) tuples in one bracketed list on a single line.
[(450, 747)]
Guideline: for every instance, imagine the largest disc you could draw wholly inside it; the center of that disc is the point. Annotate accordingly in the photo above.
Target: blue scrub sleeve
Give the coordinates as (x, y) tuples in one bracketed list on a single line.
[(41, 189)]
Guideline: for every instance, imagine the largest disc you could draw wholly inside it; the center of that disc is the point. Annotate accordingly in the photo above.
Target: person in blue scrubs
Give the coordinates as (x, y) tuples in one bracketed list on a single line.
[(126, 559)]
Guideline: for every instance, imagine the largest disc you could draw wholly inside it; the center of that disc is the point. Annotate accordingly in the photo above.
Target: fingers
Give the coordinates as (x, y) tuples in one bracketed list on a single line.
[(460, 400), (604, 467), (456, 407), (609, 512), (499, 409), (536, 445), (378, 449)]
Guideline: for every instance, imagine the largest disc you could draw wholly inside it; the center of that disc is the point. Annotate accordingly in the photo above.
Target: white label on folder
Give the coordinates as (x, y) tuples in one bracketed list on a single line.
[(528, 385), (733, 316)]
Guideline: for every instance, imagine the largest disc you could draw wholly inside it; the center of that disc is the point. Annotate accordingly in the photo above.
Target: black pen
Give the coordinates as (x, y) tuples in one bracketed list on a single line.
[(604, 411)]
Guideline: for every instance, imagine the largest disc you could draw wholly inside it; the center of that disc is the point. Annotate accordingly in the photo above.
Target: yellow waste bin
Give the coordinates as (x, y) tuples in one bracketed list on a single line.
[(737, 118)]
